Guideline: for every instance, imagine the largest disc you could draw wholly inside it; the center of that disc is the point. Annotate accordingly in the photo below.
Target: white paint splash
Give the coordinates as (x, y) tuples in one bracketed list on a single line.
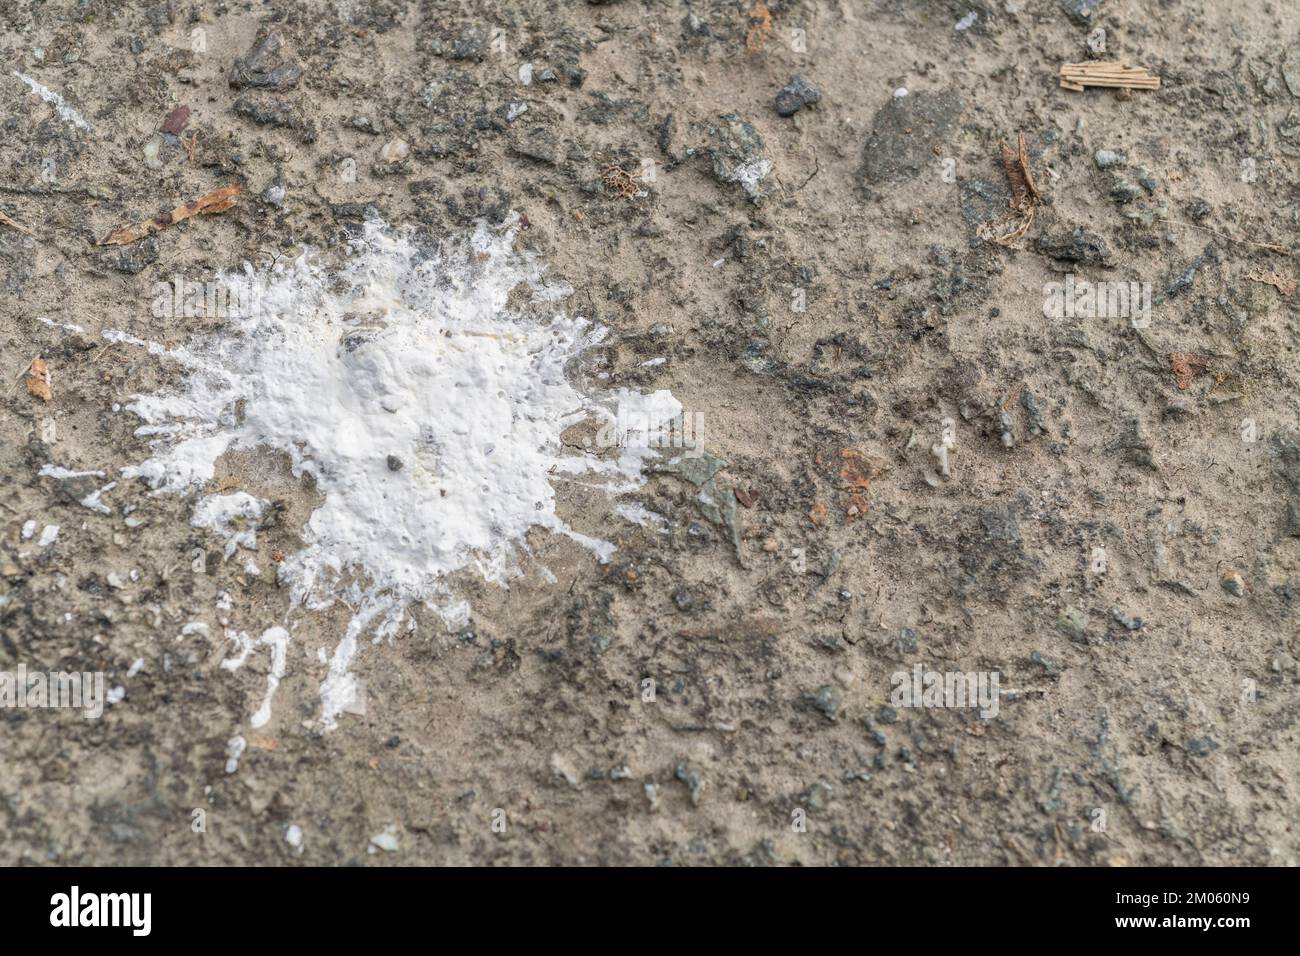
[(277, 639), (427, 410), (234, 517), (66, 112), (67, 326), (59, 473)]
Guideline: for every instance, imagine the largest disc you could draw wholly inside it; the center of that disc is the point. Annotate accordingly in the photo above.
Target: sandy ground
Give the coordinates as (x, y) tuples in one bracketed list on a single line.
[(1117, 537)]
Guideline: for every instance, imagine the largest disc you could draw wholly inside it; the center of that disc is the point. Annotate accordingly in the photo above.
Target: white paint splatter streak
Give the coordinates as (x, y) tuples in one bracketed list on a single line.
[(428, 412), (66, 112)]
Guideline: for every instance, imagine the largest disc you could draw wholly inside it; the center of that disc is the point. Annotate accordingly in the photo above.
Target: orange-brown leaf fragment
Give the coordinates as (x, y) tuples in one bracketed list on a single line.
[(1025, 196), (760, 26), (855, 471), (1186, 366), (38, 380), (855, 478), (818, 513), (1284, 284), (219, 200)]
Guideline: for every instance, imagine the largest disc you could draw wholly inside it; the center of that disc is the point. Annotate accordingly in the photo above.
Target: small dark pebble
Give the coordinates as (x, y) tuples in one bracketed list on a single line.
[(795, 95)]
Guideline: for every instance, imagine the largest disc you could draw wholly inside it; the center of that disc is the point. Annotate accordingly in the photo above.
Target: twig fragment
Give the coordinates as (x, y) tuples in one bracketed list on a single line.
[(219, 200), (1025, 196), (15, 225), (1112, 74)]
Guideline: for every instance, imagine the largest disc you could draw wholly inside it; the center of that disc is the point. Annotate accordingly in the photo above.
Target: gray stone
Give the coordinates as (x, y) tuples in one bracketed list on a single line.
[(1123, 191), (1076, 246), (1082, 12), (1107, 158), (1074, 625), (1291, 70), (736, 151), (904, 133), (795, 95), (268, 66)]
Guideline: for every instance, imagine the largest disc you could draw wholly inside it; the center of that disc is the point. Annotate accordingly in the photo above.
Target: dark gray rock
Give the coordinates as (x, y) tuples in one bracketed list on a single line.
[(1082, 12), (1291, 70), (268, 66), (736, 152), (135, 258), (1123, 191), (1078, 245), (1132, 447), (827, 702), (795, 95), (1187, 278), (538, 143), (1286, 448), (982, 201), (904, 133), (275, 115), (468, 45)]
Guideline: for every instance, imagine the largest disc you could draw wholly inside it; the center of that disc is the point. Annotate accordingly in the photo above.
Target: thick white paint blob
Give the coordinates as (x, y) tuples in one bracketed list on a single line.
[(427, 411)]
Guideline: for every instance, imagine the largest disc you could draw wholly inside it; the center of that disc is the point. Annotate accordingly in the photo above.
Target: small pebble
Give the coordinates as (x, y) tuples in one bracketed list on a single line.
[(795, 95), (1108, 158), (395, 151)]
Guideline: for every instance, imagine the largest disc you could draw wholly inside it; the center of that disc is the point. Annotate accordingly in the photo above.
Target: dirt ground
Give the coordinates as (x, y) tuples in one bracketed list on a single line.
[(846, 297)]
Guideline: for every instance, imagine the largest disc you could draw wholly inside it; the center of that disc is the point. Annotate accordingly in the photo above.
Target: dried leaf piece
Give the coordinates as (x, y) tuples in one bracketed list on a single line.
[(620, 182), (760, 26), (1284, 284), (38, 380), (1018, 176), (1186, 366), (747, 496), (856, 473), (1076, 76), (14, 225), (1025, 196), (219, 200)]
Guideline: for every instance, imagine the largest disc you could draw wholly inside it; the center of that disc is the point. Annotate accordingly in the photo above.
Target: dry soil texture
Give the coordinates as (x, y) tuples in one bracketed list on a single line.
[(1117, 535)]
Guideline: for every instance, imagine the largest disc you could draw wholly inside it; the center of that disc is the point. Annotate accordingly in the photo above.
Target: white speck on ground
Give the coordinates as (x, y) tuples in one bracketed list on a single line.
[(385, 840), (235, 748)]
